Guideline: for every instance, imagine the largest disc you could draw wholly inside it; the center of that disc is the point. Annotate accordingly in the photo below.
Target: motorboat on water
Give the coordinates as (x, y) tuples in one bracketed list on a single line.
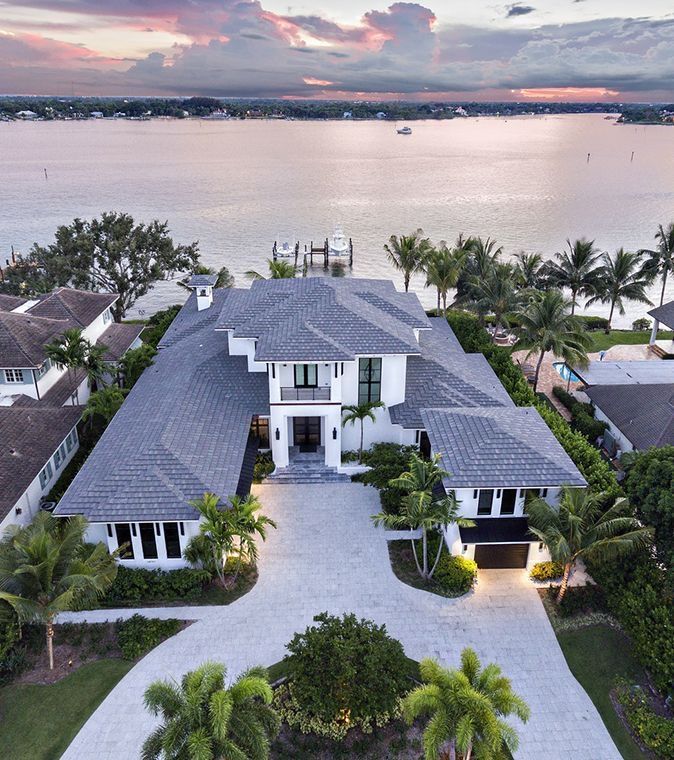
[(338, 244), (404, 131), (285, 249)]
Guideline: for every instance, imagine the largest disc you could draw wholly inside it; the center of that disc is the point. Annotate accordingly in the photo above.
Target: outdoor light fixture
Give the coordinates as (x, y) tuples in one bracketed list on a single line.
[(277, 434), (334, 434)]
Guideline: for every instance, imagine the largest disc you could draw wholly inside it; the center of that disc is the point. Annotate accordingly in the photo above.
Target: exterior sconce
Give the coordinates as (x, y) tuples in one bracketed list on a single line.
[(334, 433), (540, 546), (277, 434), (465, 548)]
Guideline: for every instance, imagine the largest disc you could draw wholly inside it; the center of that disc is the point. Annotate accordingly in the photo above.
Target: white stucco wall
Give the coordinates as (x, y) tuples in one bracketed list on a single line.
[(621, 439), (244, 347)]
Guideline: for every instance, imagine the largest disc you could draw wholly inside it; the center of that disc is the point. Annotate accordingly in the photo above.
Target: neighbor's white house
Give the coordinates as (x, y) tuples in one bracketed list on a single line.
[(273, 367)]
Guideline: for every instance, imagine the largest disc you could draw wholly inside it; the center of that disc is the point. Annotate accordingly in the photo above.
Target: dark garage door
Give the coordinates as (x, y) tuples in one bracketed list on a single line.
[(501, 555)]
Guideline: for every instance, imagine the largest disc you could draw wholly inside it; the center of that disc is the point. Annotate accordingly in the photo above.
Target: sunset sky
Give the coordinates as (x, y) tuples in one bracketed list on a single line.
[(443, 49)]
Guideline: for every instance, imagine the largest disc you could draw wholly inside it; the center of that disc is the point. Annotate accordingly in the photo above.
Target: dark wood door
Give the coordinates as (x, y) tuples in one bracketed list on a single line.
[(493, 556), (307, 433)]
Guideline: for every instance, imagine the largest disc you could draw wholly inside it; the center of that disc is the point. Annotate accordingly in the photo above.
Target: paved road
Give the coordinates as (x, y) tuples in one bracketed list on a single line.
[(326, 555)]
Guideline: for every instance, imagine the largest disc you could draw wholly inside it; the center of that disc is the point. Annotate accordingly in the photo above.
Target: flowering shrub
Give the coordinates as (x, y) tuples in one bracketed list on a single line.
[(455, 574), (654, 731), (546, 571)]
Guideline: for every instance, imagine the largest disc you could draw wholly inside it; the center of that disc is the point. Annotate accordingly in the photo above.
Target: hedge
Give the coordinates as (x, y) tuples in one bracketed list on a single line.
[(138, 635), (583, 419), (137, 584)]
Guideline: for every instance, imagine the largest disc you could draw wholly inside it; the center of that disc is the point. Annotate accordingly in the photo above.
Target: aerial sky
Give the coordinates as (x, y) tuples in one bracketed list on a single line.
[(612, 50)]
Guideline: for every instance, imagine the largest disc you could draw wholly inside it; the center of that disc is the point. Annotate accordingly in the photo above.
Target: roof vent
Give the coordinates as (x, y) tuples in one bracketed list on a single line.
[(203, 285)]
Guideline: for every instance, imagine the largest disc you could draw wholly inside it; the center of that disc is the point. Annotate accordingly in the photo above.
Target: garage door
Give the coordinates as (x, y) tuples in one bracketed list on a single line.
[(501, 555)]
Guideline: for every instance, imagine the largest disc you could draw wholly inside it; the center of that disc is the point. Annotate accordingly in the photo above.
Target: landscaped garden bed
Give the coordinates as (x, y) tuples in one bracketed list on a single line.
[(454, 576)]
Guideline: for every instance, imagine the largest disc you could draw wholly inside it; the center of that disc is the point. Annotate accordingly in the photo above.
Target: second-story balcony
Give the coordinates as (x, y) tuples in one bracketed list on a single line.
[(305, 394)]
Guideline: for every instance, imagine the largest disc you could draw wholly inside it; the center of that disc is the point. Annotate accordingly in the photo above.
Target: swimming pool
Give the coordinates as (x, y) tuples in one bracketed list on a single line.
[(565, 372)]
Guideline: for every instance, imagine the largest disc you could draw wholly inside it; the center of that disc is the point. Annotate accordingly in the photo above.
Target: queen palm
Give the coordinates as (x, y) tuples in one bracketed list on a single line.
[(547, 324), (467, 708), (352, 413), (575, 269), (620, 278), (46, 568), (495, 293), (278, 270), (580, 529), (443, 267), (408, 253), (247, 525), (69, 350), (201, 718), (94, 364), (660, 262)]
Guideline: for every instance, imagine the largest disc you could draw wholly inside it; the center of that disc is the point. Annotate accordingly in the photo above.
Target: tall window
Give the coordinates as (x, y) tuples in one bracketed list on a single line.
[(306, 375), (508, 501), (485, 500), (148, 541), (260, 429), (13, 375), (172, 541), (369, 380), (123, 532), (45, 475)]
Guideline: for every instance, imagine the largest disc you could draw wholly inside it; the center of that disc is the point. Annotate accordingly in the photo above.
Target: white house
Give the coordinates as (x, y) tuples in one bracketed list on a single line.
[(662, 315), (274, 366)]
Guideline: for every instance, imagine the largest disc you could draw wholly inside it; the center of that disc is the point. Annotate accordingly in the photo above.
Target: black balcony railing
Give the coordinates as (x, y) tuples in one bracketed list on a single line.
[(305, 394)]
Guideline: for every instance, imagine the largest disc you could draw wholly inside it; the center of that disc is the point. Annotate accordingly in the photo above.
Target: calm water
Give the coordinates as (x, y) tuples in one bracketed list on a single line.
[(236, 186)]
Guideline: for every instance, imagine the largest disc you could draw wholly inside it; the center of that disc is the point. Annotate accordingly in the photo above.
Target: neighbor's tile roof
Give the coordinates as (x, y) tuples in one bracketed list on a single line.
[(118, 338), (664, 314), (446, 376), (644, 414), (7, 302), (498, 447), (324, 319), (23, 337), (29, 435), (78, 307), (181, 431)]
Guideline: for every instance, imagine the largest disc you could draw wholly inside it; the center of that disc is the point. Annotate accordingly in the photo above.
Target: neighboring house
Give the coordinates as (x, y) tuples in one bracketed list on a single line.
[(273, 366), (26, 326), (662, 315)]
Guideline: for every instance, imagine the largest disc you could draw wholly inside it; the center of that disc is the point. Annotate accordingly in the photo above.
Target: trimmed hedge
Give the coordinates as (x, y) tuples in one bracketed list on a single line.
[(138, 635), (136, 584), (593, 323), (455, 574), (546, 571), (654, 731), (583, 419)]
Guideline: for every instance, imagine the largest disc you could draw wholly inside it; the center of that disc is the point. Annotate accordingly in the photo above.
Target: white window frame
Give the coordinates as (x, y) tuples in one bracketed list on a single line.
[(42, 371), (14, 376), (45, 475), (107, 316)]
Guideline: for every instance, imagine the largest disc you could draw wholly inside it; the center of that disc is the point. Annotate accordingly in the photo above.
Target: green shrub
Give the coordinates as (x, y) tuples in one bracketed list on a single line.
[(655, 731), (388, 461), (546, 571), (346, 667), (643, 323), (138, 635), (583, 419), (472, 336), (13, 656), (264, 465), (455, 574), (580, 599), (349, 456), (137, 584), (158, 324), (593, 323)]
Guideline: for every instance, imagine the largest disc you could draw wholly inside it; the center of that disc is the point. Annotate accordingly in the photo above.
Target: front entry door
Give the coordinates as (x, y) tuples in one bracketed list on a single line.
[(307, 433)]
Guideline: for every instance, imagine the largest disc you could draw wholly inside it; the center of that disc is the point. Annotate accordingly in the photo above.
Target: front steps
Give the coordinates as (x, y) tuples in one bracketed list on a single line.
[(307, 468)]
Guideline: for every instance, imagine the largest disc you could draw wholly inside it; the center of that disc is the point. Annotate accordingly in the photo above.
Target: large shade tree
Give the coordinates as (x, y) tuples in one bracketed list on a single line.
[(46, 568), (581, 528), (575, 269), (202, 718), (408, 253), (660, 260)]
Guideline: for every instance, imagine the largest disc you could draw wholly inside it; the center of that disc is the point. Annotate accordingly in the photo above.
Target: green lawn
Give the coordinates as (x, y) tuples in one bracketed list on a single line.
[(602, 342), (39, 722), (597, 656)]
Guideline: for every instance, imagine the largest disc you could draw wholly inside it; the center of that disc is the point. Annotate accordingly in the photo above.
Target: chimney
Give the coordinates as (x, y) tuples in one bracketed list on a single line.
[(202, 285)]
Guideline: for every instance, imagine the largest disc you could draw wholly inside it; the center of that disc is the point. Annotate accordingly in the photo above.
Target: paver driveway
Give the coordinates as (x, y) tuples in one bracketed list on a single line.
[(326, 555)]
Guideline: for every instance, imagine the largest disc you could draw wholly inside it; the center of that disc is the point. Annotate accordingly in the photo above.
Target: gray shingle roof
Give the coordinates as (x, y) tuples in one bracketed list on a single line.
[(626, 372), (79, 307), (29, 435), (643, 413), (446, 376), (664, 314), (323, 319), (498, 447), (201, 280), (181, 431)]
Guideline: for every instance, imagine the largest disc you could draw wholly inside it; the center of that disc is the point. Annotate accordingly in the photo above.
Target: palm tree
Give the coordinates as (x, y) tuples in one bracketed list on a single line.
[(225, 278), (443, 267), (528, 270), (660, 262), (620, 278), (547, 324), (421, 511), (278, 270), (246, 525), (95, 365), (495, 293), (579, 529), (575, 269), (352, 413), (104, 404), (215, 540), (408, 253), (467, 709), (70, 351), (46, 568), (202, 718), (482, 256), (134, 363)]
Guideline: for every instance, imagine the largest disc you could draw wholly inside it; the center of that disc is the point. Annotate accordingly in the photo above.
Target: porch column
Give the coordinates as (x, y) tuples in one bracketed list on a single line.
[(278, 435), (333, 445), (654, 332)]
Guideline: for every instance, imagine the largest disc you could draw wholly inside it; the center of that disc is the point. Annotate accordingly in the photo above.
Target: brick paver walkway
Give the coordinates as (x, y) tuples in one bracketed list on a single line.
[(326, 555)]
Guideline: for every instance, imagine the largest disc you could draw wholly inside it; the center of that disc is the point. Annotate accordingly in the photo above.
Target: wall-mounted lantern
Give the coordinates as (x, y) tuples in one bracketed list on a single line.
[(334, 433), (277, 434)]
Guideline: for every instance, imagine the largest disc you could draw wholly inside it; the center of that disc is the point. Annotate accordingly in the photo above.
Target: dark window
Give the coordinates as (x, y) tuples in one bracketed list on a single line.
[(475, 492), (484, 502), (123, 532), (182, 528), (172, 541), (260, 429), (306, 375), (369, 380), (148, 541), (508, 501), (109, 530), (544, 492)]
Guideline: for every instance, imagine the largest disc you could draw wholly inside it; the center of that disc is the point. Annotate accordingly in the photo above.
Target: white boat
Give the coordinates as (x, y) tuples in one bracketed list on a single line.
[(404, 131), (285, 250), (338, 245)]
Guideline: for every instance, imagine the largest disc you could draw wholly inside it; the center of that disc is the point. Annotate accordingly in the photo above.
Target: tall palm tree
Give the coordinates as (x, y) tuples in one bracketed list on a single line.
[(202, 719), (495, 293), (247, 524), (95, 365), (46, 568), (528, 270), (408, 253), (547, 324), (104, 404), (660, 261), (352, 413), (443, 267), (70, 351), (278, 270), (467, 709), (620, 278), (482, 256), (575, 269), (215, 540), (580, 529)]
